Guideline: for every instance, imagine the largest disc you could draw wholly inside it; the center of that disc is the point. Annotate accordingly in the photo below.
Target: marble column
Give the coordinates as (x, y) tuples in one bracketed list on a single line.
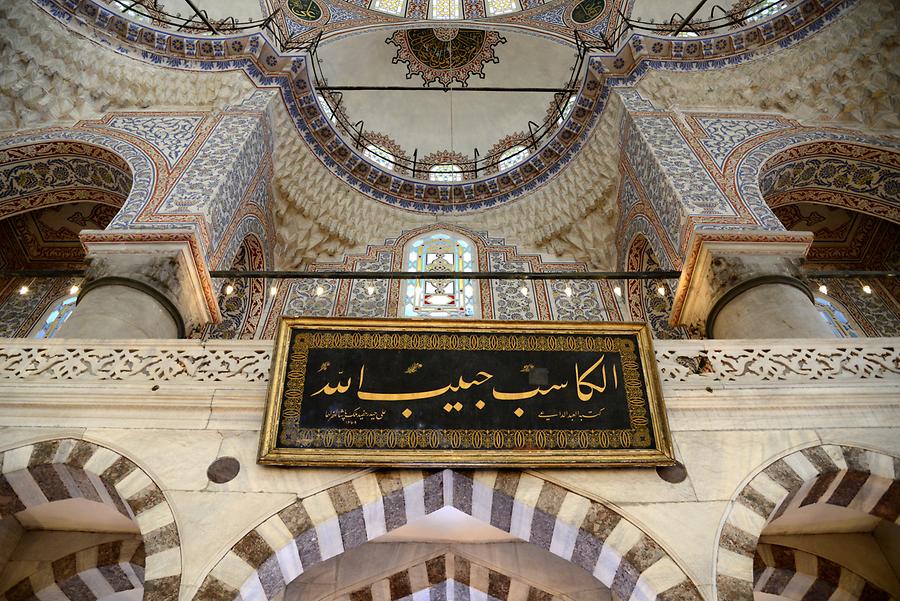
[(745, 289), (138, 290)]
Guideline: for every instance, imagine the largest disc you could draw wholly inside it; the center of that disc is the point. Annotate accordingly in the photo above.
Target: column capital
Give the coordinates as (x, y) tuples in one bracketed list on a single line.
[(168, 267), (722, 264)]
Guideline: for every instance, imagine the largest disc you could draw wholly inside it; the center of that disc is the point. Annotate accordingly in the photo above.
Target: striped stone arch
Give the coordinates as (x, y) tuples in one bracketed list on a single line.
[(803, 576), (582, 531), (845, 476), (437, 575), (68, 468), (91, 573)]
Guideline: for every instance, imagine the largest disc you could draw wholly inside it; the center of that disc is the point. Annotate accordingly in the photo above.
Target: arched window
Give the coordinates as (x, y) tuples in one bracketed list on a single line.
[(445, 173), (391, 7), (439, 252), (445, 9), (513, 156), (501, 7), (379, 156), (567, 109), (326, 108), (55, 317), (766, 10), (836, 317)]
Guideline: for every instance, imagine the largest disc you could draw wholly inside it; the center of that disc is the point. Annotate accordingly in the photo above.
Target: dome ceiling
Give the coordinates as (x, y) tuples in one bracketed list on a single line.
[(429, 121)]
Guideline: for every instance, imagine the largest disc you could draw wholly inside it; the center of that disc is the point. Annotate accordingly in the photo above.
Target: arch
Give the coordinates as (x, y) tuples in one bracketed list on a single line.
[(69, 468), (837, 317), (776, 566), (582, 531), (143, 168), (242, 309), (37, 175), (56, 314), (757, 171), (644, 301), (512, 156), (846, 476), (114, 567), (445, 571), (848, 175), (445, 172)]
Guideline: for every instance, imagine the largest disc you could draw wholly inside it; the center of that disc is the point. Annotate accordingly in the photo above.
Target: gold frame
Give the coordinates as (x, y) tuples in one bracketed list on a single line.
[(271, 454)]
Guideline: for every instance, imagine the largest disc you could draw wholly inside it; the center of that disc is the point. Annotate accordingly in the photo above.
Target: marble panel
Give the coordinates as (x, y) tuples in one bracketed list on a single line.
[(253, 477), (715, 475), (205, 536), (178, 464)]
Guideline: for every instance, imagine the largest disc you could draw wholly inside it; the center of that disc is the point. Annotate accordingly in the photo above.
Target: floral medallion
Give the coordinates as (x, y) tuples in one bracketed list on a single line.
[(445, 54)]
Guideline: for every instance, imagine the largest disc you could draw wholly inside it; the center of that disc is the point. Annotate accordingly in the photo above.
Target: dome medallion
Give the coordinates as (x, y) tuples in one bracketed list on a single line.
[(445, 54)]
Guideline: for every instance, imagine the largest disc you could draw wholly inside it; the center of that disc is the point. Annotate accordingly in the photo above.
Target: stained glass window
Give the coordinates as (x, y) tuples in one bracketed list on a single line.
[(445, 9), (445, 173), (440, 253), (513, 156), (56, 317), (326, 108), (379, 156), (836, 318), (501, 7), (392, 7)]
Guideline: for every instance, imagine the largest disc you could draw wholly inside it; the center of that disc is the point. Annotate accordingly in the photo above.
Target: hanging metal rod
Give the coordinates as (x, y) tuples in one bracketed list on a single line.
[(474, 275), (453, 275), (438, 89), (384, 275), (689, 17)]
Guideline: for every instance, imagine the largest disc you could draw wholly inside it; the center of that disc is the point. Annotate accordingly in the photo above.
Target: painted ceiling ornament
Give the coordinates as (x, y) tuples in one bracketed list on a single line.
[(587, 10), (307, 10), (445, 54)]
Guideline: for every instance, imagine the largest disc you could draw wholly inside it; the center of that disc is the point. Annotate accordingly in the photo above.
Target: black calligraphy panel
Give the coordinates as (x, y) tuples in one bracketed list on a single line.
[(464, 391)]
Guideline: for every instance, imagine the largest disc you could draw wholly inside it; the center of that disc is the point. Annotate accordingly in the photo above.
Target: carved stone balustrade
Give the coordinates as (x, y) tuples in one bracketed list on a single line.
[(222, 384)]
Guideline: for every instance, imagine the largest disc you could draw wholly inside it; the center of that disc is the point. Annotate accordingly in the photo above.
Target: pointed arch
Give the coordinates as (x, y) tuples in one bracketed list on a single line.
[(310, 530), (645, 303), (832, 474), (242, 309), (69, 468), (440, 251)]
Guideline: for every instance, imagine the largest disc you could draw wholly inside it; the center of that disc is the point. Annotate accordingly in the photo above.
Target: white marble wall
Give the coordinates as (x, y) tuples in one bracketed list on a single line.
[(726, 425)]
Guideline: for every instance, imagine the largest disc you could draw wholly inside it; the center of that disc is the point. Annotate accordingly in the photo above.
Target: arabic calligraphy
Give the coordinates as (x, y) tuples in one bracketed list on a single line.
[(307, 10), (357, 415), (574, 415), (587, 10), (585, 388)]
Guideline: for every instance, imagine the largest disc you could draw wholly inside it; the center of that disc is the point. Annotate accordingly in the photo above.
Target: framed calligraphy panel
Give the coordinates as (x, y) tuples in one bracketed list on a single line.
[(389, 392)]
